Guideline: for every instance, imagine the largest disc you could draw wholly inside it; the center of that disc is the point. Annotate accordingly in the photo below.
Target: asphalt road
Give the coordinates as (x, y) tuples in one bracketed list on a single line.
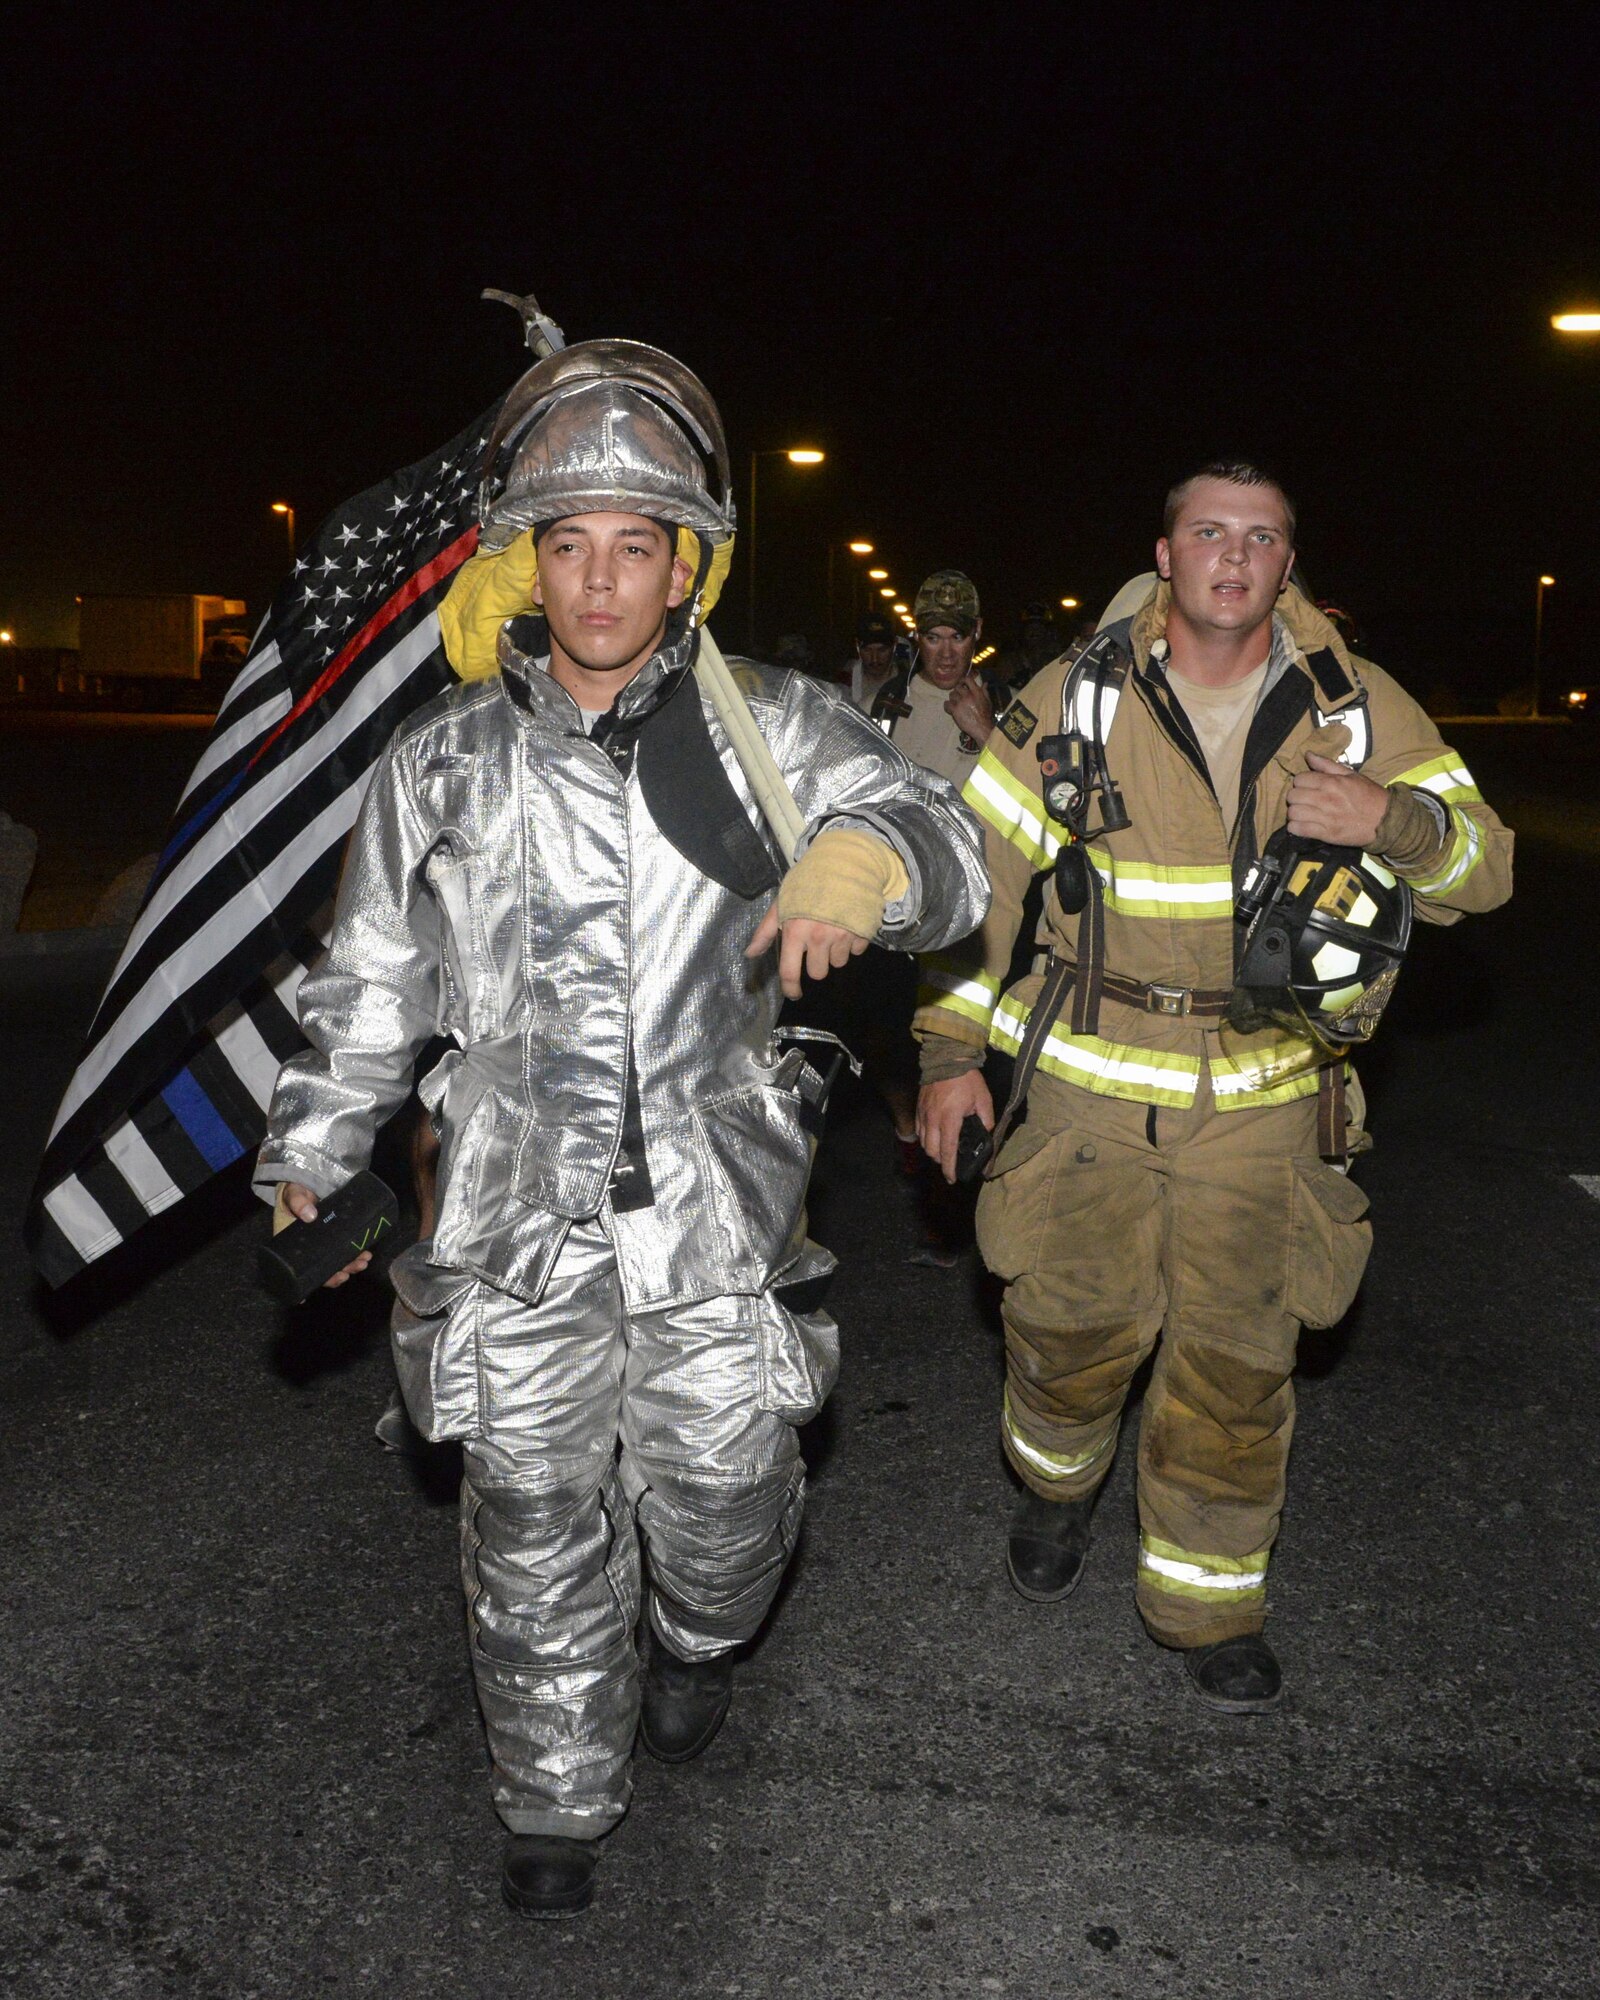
[(238, 1748)]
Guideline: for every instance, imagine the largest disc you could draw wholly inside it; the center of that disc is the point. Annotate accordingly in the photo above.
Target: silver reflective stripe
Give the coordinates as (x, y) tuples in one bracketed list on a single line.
[(1053, 1465), (1202, 1579), (1356, 719), (1085, 704)]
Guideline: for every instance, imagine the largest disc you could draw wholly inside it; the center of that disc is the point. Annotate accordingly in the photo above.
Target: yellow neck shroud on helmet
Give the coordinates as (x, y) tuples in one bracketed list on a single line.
[(497, 584)]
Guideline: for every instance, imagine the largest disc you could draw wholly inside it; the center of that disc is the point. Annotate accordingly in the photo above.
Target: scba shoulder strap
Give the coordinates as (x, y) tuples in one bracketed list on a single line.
[(1333, 680)]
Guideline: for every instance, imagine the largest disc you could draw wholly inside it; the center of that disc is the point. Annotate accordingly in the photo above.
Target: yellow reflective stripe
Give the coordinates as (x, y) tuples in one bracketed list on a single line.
[(1111, 1069), (1051, 1464), (1145, 889), (1465, 851), (943, 985), (1446, 777), (1014, 812), (1240, 1579)]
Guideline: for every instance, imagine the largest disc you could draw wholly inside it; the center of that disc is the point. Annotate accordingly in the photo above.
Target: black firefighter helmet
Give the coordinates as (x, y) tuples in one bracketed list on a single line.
[(1326, 930)]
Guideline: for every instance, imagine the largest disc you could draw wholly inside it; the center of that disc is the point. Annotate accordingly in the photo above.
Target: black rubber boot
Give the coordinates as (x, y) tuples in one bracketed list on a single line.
[(1240, 1676), (1049, 1542), (547, 1875), (682, 1703)]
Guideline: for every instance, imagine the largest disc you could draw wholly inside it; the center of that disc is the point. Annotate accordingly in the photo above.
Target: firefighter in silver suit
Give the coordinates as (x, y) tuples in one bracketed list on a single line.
[(560, 865)]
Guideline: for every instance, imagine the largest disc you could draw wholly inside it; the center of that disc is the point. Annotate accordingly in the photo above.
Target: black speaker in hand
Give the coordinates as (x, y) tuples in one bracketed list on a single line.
[(307, 1254), (973, 1147)]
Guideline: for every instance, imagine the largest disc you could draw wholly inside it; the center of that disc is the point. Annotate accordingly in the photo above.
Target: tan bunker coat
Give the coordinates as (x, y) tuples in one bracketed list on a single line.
[(1164, 1184)]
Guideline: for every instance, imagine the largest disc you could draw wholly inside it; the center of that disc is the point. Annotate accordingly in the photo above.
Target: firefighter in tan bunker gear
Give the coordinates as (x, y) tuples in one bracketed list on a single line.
[(1172, 1179)]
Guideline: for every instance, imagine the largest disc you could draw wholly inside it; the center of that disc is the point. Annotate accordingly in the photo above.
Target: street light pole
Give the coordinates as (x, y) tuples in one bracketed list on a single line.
[(796, 455), (1540, 588), (856, 548), (282, 507)]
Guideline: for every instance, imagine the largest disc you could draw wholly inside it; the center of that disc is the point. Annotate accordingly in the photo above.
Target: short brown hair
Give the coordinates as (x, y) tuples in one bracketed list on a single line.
[(1236, 472)]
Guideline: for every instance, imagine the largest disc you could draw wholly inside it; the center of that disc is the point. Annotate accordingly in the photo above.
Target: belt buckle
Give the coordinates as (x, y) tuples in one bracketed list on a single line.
[(1174, 1000)]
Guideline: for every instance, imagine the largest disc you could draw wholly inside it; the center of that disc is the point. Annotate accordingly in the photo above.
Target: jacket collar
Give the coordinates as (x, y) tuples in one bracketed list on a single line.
[(524, 653), (1302, 637)]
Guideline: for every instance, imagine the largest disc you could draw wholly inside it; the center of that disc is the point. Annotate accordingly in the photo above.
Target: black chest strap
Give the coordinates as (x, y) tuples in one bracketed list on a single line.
[(692, 799)]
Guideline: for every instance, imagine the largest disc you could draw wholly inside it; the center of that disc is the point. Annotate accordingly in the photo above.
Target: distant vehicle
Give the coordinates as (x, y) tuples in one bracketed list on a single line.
[(1578, 702), (157, 651)]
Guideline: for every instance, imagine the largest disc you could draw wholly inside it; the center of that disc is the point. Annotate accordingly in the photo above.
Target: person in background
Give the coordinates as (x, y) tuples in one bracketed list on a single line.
[(940, 709), (874, 660)]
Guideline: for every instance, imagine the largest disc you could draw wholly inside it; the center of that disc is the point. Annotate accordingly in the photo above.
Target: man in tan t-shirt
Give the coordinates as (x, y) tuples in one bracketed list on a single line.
[(940, 712), (1221, 718)]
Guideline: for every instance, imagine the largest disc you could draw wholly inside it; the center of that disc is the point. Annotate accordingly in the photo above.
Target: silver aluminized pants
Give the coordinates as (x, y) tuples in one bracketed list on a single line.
[(703, 1400)]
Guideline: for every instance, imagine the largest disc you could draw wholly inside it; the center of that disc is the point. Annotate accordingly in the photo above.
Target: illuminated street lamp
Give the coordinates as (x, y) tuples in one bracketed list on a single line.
[(1576, 322), (282, 507), (1544, 584), (887, 590), (7, 639), (902, 609), (878, 575), (796, 455), (1069, 604), (855, 549)]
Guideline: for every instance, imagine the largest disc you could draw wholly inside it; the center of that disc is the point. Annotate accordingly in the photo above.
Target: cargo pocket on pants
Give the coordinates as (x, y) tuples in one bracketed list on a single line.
[(1077, 1238), (799, 1346), (1014, 1202), (433, 1330), (1328, 1243)]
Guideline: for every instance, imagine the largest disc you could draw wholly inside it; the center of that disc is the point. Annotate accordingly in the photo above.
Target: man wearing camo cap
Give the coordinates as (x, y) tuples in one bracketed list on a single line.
[(940, 711)]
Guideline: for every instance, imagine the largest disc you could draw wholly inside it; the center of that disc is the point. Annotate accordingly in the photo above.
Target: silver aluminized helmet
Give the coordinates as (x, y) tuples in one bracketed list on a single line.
[(607, 426)]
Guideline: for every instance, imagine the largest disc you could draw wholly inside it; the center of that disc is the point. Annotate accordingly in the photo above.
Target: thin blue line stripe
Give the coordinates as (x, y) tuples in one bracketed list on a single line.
[(200, 1118)]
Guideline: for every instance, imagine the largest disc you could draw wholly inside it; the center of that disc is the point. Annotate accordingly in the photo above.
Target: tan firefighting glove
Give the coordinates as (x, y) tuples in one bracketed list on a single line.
[(845, 877)]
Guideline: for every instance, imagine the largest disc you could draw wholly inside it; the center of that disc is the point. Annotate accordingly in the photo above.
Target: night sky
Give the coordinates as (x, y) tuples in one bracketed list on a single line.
[(1012, 281)]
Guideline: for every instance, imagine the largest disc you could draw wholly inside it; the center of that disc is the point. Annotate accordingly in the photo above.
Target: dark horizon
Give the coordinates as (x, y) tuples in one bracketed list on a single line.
[(1011, 287)]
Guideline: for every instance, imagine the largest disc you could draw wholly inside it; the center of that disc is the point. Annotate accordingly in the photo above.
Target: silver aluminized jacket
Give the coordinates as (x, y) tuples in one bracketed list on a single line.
[(506, 886)]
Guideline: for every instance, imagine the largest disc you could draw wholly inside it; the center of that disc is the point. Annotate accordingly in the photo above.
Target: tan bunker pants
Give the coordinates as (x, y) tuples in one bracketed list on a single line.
[(1222, 1233)]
